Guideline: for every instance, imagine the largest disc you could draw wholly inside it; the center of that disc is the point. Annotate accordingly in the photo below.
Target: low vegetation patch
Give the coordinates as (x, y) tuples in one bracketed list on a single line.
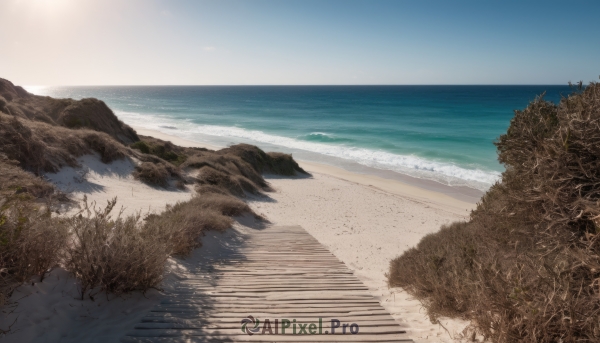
[(182, 224), (107, 251), (30, 239), (526, 266), (165, 150), (41, 147), (113, 254), (90, 114), (152, 173)]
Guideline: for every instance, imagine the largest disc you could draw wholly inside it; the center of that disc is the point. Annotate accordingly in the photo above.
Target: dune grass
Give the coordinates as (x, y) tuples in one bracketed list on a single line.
[(526, 266), (107, 251), (42, 147), (104, 250)]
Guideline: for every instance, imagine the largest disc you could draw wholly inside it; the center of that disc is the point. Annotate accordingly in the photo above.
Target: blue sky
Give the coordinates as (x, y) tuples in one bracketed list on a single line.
[(130, 42)]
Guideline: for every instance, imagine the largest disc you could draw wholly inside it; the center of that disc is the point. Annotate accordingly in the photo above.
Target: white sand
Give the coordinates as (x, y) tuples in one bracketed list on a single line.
[(50, 311), (364, 220), (366, 227), (106, 181)]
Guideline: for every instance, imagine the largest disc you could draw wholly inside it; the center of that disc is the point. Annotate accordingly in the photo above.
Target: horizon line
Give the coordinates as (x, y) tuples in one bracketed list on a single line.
[(299, 85)]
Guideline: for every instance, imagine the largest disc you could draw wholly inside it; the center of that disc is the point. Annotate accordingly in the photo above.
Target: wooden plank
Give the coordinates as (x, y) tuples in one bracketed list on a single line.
[(277, 273)]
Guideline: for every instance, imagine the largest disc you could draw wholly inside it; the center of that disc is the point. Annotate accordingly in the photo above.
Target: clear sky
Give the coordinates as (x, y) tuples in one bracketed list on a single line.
[(176, 42)]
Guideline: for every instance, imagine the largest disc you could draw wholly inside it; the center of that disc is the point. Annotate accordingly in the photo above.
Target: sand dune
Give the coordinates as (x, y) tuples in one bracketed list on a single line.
[(364, 220)]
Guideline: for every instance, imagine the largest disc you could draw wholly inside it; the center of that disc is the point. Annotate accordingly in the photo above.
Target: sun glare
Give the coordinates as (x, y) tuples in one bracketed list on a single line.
[(49, 7)]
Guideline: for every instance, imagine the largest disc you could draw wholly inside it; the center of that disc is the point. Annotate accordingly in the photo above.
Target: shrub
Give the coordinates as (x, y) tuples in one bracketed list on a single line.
[(41, 147), (165, 150), (283, 164), (125, 254), (273, 162), (234, 184), (152, 173), (182, 224), (141, 146), (525, 267), (113, 254), (30, 243)]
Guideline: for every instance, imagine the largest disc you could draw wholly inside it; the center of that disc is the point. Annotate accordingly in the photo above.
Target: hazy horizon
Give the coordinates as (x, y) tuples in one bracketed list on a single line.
[(303, 85), (263, 42)]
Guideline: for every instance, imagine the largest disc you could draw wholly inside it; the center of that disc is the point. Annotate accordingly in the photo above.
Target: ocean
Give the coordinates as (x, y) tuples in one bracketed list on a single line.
[(438, 133)]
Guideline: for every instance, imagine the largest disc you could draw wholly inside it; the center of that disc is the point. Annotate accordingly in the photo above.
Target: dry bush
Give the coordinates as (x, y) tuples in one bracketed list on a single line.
[(180, 226), (165, 150), (30, 243), (283, 164), (16, 182), (30, 239), (261, 162), (234, 184), (224, 204), (236, 169), (41, 147), (205, 189), (526, 267), (152, 173), (227, 165), (113, 254), (124, 254)]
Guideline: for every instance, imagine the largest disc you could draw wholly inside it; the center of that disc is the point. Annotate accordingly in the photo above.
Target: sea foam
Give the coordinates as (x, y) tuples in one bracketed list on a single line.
[(444, 172)]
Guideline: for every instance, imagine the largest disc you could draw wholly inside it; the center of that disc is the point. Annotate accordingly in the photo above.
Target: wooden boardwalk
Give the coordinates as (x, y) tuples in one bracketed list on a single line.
[(282, 274)]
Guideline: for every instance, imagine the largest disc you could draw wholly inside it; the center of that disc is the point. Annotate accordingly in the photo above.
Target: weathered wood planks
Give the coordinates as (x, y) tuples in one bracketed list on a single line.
[(281, 274)]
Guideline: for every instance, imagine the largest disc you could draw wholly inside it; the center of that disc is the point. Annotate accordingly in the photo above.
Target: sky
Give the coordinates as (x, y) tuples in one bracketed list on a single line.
[(228, 42)]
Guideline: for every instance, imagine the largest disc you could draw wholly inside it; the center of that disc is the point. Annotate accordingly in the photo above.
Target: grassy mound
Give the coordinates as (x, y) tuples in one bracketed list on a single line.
[(526, 266), (109, 252), (165, 150), (91, 114), (273, 162), (42, 147), (235, 170)]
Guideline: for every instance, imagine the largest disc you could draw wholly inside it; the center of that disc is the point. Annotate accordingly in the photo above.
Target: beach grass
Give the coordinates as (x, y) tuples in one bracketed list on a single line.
[(106, 250)]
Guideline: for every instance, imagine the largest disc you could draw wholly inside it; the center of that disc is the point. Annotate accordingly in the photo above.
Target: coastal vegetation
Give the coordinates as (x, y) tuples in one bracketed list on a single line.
[(104, 250), (526, 266)]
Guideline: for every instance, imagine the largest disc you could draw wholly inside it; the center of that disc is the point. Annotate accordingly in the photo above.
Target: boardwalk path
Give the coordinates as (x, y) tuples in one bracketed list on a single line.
[(279, 273)]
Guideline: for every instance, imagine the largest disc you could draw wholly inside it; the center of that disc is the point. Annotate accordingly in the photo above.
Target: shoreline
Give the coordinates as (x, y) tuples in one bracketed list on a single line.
[(364, 220), (453, 199)]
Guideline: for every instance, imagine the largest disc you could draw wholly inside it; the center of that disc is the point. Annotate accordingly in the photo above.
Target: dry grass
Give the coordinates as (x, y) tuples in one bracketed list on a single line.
[(30, 243), (109, 253), (235, 170), (125, 254), (90, 114), (526, 267), (182, 225), (112, 254), (261, 162), (234, 184), (165, 150), (18, 183), (41, 147), (152, 173)]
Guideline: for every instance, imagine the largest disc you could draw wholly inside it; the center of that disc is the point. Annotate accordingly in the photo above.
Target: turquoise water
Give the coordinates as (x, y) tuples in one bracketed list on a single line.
[(441, 133)]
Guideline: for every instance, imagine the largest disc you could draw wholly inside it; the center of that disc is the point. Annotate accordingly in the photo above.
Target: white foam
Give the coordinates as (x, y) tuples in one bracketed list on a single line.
[(444, 172)]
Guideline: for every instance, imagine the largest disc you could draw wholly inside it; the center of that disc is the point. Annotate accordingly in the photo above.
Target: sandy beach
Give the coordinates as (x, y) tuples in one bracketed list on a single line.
[(364, 220)]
